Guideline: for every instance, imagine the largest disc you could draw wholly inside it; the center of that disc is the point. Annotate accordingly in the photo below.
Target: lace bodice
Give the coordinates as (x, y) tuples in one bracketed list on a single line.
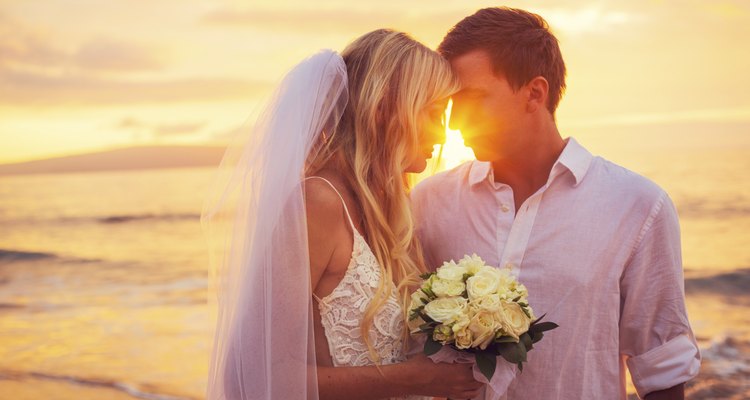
[(342, 311)]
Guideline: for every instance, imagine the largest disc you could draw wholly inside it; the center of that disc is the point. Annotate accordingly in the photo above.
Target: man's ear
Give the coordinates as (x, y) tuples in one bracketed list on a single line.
[(537, 90)]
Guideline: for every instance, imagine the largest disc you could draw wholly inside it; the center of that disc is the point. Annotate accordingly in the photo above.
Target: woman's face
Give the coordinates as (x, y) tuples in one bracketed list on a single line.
[(431, 132)]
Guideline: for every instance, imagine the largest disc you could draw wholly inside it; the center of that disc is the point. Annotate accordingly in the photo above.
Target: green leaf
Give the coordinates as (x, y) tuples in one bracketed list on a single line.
[(486, 363), (431, 346), (543, 326), (426, 275), (521, 351), (536, 336), (426, 317), (509, 351), (505, 339), (525, 311), (538, 319), (520, 366), (426, 325), (429, 293), (526, 340)]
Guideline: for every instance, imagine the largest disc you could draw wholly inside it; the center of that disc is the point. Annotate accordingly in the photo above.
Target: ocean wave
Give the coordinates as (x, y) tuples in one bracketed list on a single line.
[(12, 256), (724, 373), (700, 208), (17, 255), (134, 390), (734, 284), (118, 219)]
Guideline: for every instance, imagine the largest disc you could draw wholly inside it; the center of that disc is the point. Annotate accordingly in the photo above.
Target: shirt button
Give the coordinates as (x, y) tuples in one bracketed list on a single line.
[(505, 208)]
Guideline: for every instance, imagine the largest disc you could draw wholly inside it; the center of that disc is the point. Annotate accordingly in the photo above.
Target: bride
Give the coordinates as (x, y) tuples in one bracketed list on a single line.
[(318, 254)]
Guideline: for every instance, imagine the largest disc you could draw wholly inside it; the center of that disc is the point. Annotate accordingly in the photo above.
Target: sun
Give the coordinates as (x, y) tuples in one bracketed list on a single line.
[(454, 151), (444, 157)]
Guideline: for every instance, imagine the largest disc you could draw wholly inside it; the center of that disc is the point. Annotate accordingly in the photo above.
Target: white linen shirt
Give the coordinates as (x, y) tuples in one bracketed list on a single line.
[(598, 248)]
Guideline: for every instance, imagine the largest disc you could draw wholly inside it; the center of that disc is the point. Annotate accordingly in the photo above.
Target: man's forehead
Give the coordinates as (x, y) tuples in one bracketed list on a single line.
[(475, 60), (473, 68)]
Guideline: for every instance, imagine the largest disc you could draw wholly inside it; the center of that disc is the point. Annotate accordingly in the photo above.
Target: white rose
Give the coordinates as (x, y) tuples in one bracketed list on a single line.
[(483, 283), (418, 299), (461, 333), (443, 334), (483, 327), (451, 271), (472, 263), (446, 309), (490, 303), (531, 312), (513, 320), (446, 288), (520, 290), (427, 283)]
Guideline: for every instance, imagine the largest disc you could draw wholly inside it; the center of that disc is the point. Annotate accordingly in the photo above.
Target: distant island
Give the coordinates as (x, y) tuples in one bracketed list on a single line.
[(130, 158)]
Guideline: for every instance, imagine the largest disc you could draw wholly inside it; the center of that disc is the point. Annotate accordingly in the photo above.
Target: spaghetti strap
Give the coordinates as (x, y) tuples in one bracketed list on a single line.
[(340, 197)]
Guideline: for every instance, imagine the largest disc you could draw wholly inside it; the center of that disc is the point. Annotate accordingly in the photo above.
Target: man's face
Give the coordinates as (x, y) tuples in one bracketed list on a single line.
[(488, 112)]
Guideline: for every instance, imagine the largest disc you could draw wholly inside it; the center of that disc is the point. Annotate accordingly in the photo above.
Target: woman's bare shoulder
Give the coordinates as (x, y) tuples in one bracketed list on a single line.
[(325, 211)]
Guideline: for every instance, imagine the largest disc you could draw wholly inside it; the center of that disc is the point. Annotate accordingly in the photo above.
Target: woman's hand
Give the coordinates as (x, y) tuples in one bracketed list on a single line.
[(428, 378)]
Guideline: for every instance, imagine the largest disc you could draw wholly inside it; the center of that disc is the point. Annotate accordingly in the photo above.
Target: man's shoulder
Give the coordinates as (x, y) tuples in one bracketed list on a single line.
[(624, 183)]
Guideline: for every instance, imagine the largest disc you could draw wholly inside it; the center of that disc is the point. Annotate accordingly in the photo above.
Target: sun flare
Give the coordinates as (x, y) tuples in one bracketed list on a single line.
[(454, 151)]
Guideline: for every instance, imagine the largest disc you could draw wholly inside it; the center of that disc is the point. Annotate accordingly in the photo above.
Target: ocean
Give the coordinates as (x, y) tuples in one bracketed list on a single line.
[(103, 275)]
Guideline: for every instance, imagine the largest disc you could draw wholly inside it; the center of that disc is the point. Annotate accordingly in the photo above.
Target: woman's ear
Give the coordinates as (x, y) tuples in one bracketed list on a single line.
[(538, 90)]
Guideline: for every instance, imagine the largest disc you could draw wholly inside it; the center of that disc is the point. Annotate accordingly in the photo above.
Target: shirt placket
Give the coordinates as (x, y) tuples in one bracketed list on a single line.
[(517, 241), (504, 216)]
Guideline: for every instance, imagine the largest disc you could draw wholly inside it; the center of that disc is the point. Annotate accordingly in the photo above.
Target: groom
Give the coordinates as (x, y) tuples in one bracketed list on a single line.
[(597, 246)]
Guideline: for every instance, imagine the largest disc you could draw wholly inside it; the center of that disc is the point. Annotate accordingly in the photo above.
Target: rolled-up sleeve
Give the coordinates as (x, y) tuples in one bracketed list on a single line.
[(656, 340)]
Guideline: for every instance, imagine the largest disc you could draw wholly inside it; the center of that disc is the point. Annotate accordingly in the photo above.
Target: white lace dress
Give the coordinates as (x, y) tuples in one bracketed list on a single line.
[(342, 311)]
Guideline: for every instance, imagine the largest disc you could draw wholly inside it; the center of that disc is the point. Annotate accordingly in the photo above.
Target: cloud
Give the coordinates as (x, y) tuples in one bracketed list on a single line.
[(129, 123), (581, 19), (35, 72), (20, 44), (108, 54), (737, 114), (347, 20), (36, 89), (586, 20), (177, 129), (158, 130), (23, 47), (227, 134)]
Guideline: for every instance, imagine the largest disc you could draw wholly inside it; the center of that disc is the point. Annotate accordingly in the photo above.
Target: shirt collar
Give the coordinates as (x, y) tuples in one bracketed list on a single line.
[(574, 157)]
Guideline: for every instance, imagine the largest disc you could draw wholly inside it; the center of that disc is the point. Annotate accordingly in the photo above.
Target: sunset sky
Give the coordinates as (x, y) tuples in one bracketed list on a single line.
[(83, 75)]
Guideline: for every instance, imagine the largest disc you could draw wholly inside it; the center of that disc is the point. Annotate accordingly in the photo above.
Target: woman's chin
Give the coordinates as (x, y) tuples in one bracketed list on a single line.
[(417, 166)]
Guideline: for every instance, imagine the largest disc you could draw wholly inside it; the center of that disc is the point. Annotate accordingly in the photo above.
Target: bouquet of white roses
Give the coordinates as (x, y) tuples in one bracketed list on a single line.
[(476, 308)]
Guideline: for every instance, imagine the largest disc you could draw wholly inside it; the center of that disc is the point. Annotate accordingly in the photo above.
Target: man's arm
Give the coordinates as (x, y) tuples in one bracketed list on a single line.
[(656, 340), (673, 393)]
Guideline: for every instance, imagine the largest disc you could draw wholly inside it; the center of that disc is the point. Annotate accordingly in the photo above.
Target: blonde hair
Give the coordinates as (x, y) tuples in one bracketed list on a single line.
[(392, 80)]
